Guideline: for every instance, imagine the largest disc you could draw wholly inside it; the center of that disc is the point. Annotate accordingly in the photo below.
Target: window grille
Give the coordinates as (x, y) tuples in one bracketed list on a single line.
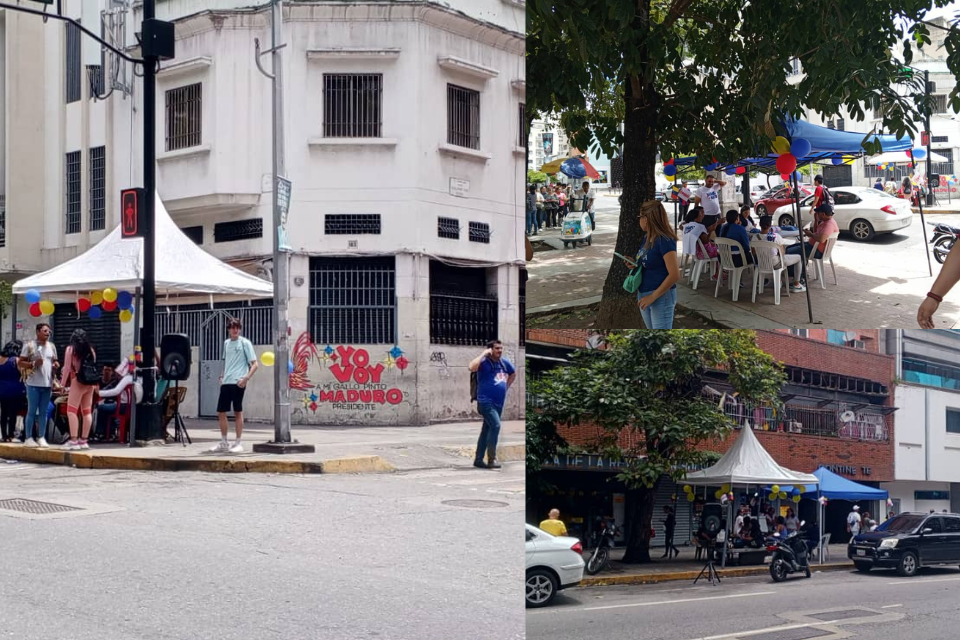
[(448, 228), (480, 232), (939, 103), (194, 233), (238, 230), (352, 105), (98, 165), (95, 72), (351, 223), (73, 192), (522, 138), (257, 320), (461, 311), (830, 124), (936, 139), (73, 67), (184, 117), (840, 124), (943, 168), (523, 307), (3, 220), (353, 300), (463, 117)]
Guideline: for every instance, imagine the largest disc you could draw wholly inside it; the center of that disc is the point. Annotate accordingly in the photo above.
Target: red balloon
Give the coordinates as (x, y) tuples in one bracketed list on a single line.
[(784, 176), (909, 153), (670, 161), (35, 310), (83, 305), (741, 170), (108, 306), (786, 163)]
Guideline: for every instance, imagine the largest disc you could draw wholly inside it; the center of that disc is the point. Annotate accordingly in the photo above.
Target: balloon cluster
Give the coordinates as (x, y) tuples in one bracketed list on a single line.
[(688, 490), (789, 152), (38, 307), (670, 170), (107, 300), (720, 493)]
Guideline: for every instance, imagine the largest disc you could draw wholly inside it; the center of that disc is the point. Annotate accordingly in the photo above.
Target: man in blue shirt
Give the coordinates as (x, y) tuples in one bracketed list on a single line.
[(495, 374)]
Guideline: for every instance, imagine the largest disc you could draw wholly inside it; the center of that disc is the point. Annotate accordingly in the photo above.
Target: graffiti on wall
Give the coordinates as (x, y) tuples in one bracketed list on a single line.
[(345, 378)]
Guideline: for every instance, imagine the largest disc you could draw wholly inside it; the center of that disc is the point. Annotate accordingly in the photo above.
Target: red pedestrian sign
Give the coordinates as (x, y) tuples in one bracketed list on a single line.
[(131, 201), (924, 138)]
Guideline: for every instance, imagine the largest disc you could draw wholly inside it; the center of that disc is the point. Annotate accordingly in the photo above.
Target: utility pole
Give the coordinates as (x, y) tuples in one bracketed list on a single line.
[(149, 301), (927, 87), (282, 441)]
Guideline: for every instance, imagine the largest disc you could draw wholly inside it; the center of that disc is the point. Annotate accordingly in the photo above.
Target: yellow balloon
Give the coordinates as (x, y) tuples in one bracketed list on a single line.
[(775, 489), (110, 294), (126, 316), (781, 145), (670, 178), (96, 297), (267, 358), (687, 488), (796, 498), (690, 497), (783, 495), (46, 307)]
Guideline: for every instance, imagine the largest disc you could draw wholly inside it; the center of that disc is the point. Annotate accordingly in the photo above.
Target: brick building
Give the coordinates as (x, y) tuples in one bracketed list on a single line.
[(838, 413)]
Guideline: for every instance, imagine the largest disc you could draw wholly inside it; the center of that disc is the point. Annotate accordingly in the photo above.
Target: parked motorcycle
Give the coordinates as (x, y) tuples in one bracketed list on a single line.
[(600, 558), (790, 555), (944, 236)]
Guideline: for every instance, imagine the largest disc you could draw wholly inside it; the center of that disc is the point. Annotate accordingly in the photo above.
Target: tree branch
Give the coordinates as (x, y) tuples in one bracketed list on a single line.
[(675, 12)]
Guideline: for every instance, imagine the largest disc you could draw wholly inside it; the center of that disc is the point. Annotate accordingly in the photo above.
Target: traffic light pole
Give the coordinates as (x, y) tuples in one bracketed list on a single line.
[(926, 88)]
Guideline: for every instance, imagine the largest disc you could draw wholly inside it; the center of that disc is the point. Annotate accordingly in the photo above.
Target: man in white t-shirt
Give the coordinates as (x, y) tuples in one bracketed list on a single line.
[(770, 233), (708, 197), (587, 196), (853, 521)]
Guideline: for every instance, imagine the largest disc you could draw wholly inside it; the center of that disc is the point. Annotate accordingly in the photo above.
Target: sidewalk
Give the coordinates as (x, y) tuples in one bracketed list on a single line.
[(338, 450), (684, 567)]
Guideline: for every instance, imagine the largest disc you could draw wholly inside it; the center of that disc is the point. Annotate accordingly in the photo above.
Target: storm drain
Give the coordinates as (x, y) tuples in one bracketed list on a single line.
[(476, 504), (844, 614), (34, 507), (793, 634)]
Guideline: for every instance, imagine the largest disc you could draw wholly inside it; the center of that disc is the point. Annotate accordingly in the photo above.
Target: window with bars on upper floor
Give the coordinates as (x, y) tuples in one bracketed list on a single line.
[(936, 139), (3, 220), (238, 230), (72, 63), (480, 232), (522, 140), (72, 193), (353, 300), (939, 103), (461, 310), (352, 105), (351, 223), (98, 167), (184, 115), (463, 117), (448, 228)]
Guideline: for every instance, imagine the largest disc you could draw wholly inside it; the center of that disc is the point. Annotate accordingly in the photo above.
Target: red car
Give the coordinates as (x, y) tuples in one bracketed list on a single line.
[(777, 198)]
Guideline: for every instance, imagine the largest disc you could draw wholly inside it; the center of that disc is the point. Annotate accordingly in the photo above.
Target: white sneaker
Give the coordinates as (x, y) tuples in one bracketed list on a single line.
[(42, 443), (223, 445), (236, 448), (30, 442), (71, 445), (797, 288)]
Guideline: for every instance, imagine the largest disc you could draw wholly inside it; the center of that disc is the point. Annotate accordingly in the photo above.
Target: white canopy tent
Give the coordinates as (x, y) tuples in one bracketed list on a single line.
[(901, 157), (746, 464), (181, 267)]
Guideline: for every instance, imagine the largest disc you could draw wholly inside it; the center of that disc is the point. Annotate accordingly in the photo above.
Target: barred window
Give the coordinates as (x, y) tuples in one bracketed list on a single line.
[(3, 220), (480, 232), (238, 230), (939, 104), (461, 311), (353, 300), (98, 165), (463, 117), (448, 228), (936, 139), (352, 105), (73, 192), (523, 307), (73, 66), (351, 223), (184, 117), (96, 79), (522, 141)]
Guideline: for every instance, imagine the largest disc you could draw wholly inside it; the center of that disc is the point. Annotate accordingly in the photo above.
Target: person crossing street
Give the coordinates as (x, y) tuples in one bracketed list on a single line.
[(495, 374)]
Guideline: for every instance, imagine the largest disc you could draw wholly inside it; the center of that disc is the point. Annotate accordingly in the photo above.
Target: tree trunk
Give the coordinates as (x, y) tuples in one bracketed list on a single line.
[(745, 189), (639, 514), (618, 309)]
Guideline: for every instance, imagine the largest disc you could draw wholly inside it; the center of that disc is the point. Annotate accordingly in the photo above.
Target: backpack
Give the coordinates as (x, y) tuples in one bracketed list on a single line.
[(827, 197), (473, 386), (87, 373)]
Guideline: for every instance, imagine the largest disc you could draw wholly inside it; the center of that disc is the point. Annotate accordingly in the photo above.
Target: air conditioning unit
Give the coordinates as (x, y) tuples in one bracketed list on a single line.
[(856, 344), (795, 427)]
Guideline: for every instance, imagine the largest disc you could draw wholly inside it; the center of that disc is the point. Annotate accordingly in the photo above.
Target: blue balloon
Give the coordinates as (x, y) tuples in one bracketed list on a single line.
[(798, 176), (919, 154), (800, 148), (730, 171), (289, 366), (124, 299), (669, 170), (838, 161), (95, 313), (712, 166), (32, 296)]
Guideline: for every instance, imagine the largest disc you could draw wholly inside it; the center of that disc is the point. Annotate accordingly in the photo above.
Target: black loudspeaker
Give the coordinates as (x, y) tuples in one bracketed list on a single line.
[(175, 358), (712, 517)]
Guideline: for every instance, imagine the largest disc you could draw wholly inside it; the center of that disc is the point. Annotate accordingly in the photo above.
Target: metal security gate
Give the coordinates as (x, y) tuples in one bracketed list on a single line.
[(213, 333)]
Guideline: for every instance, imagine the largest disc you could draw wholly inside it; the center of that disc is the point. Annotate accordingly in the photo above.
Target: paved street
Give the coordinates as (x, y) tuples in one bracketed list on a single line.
[(879, 606), (881, 283), (191, 555)]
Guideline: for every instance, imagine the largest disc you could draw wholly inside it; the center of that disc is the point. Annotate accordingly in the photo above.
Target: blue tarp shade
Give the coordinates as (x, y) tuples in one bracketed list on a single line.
[(837, 487), (825, 144)]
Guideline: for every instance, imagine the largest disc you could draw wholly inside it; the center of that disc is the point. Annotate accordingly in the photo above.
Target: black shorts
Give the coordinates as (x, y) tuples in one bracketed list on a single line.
[(709, 220), (230, 394)]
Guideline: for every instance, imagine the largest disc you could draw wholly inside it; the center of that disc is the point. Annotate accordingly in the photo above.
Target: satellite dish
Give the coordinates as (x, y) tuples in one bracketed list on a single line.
[(849, 335), (848, 416)]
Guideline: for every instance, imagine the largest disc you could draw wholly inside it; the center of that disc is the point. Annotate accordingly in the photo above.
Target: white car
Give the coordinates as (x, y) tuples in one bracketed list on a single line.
[(755, 193), (863, 211), (553, 563)]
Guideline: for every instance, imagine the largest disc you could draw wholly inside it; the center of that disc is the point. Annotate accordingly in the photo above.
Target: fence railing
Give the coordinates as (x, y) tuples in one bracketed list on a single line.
[(257, 326), (830, 423), (462, 320)]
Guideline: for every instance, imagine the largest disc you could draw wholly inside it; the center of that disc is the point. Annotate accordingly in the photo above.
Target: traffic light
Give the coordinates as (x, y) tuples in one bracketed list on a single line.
[(131, 201), (924, 138)]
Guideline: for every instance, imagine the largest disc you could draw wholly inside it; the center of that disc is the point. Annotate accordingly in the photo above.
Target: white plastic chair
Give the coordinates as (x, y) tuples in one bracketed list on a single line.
[(725, 249), (701, 264), (770, 258), (825, 545), (827, 255)]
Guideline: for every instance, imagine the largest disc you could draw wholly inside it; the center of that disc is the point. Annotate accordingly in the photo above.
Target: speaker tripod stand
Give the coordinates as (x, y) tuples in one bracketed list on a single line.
[(179, 429), (709, 569)]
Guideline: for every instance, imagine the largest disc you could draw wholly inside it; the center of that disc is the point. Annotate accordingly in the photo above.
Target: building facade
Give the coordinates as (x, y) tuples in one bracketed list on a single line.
[(838, 413), (404, 142)]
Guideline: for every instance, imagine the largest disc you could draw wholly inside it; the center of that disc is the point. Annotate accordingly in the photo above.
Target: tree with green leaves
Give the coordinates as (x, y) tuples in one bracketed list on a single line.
[(711, 76), (645, 395), (536, 177)]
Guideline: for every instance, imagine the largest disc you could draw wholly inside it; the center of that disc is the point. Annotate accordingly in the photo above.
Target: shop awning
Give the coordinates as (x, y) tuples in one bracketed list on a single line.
[(837, 487)]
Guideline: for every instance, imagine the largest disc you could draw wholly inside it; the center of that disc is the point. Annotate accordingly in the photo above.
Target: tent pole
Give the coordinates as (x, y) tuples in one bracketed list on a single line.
[(133, 400), (923, 222), (803, 254)]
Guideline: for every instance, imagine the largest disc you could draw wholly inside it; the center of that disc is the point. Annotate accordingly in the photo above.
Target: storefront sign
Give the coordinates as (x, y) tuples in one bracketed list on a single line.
[(847, 470), (585, 462)]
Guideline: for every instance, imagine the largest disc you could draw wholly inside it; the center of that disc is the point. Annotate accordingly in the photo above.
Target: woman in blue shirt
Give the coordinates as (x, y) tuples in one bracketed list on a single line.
[(733, 230), (657, 296)]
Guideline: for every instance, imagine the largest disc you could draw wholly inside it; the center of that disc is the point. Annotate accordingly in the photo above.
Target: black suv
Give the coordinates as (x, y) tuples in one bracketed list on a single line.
[(907, 542)]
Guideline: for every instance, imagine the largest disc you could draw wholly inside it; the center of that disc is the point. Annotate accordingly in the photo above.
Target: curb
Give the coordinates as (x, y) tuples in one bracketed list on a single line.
[(505, 453), (81, 460), (656, 578)]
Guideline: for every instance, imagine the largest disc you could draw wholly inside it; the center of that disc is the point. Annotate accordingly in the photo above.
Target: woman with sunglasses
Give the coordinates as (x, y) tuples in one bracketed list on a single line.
[(657, 296)]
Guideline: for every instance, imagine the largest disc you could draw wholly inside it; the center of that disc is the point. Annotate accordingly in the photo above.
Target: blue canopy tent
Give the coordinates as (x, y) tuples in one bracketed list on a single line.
[(825, 145)]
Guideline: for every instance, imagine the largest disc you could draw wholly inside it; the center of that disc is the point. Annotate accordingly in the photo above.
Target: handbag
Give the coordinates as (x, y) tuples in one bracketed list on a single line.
[(634, 279)]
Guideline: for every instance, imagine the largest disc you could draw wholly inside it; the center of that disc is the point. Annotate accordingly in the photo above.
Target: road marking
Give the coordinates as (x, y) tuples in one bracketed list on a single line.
[(650, 604), (786, 627), (891, 606), (912, 581)]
